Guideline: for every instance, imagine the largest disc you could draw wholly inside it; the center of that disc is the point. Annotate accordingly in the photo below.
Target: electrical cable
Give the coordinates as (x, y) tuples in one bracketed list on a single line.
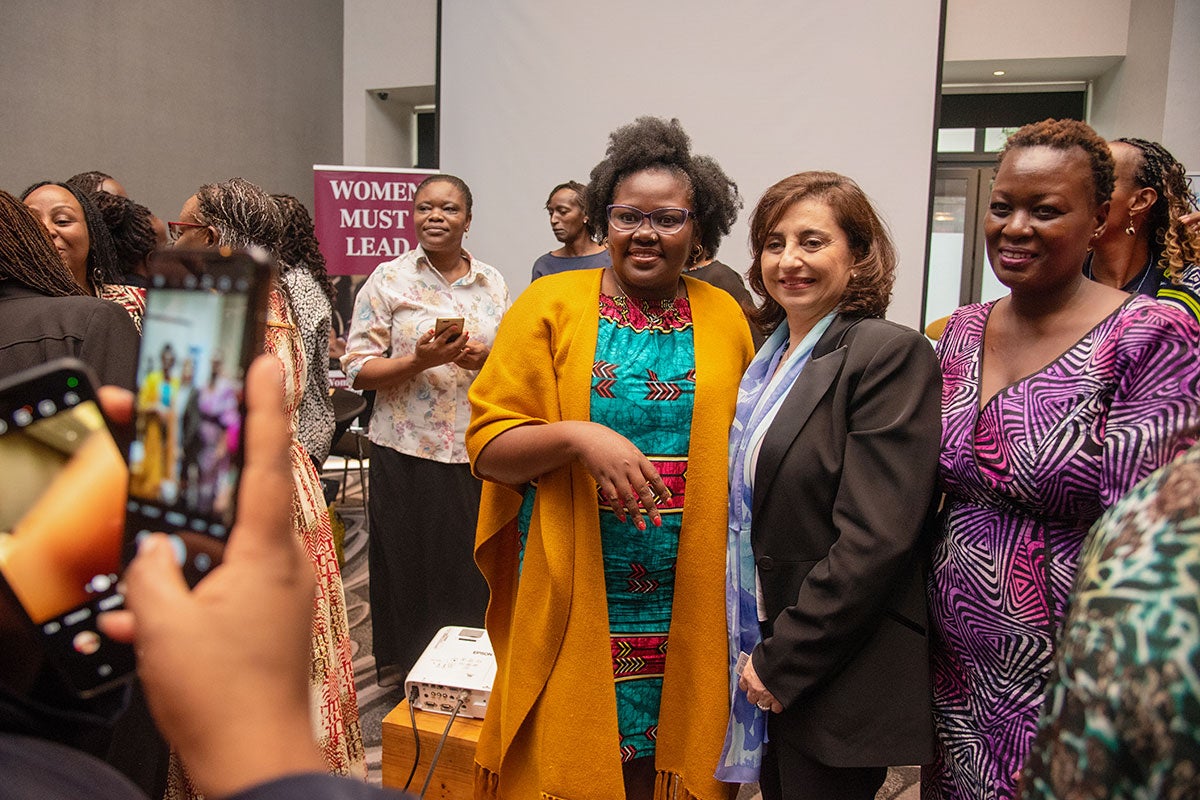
[(413, 695), (462, 699)]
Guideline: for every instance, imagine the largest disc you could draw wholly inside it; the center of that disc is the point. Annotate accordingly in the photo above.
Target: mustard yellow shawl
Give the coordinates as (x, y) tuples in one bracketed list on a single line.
[(551, 727)]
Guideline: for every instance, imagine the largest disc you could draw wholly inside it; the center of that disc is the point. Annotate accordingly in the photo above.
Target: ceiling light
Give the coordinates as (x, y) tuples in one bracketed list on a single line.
[(998, 73)]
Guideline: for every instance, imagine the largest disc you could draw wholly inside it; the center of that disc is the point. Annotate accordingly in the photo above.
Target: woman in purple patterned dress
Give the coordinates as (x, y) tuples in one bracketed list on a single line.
[(1057, 399)]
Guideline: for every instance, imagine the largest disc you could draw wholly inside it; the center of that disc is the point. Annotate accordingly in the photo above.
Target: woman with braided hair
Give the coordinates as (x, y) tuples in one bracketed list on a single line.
[(83, 240), (134, 234), (95, 182), (43, 312), (303, 268), (1148, 247), (238, 214)]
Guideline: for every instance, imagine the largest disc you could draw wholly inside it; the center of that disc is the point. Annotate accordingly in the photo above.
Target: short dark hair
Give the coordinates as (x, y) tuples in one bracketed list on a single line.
[(874, 268), (650, 143), (575, 186), (1064, 134), (453, 180)]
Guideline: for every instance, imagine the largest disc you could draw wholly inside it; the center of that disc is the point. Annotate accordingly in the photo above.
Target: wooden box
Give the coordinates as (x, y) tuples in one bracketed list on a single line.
[(454, 776)]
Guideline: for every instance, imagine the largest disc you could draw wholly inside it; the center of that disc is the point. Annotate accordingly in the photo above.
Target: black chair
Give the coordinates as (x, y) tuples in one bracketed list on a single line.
[(349, 436)]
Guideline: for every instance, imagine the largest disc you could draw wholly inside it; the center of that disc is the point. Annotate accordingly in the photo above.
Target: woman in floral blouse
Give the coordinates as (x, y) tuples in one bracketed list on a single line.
[(423, 501)]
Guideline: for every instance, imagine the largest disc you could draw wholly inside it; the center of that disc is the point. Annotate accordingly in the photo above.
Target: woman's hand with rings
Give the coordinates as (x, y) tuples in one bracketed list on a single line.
[(435, 349), (626, 479), (756, 692), (473, 355)]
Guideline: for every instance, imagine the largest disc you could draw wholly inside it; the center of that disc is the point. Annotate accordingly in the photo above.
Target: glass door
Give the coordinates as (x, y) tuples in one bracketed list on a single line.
[(958, 272)]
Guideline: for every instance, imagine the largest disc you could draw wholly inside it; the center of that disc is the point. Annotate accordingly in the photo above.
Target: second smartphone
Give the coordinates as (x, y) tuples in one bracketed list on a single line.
[(204, 323)]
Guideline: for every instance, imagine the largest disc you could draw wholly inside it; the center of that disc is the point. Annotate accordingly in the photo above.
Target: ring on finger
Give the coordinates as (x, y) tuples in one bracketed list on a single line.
[(764, 706)]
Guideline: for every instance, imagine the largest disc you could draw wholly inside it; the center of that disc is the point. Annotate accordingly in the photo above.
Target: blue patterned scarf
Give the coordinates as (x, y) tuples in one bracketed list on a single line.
[(758, 398)]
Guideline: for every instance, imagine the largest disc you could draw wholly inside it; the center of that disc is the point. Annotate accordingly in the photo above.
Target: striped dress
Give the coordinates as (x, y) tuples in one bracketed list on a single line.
[(1026, 475)]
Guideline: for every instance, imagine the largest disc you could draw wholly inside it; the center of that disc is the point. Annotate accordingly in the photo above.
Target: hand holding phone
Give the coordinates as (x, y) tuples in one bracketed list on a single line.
[(445, 323), (242, 638), (204, 323)]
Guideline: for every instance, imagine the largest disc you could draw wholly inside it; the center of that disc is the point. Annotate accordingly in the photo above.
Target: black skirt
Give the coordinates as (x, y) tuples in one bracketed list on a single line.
[(422, 517)]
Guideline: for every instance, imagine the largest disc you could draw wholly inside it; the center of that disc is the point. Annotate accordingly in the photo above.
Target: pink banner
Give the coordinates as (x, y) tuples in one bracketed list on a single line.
[(363, 215)]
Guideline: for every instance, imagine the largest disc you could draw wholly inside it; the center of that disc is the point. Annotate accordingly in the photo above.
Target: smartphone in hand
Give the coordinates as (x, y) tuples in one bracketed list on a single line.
[(62, 510), (443, 323), (204, 322)]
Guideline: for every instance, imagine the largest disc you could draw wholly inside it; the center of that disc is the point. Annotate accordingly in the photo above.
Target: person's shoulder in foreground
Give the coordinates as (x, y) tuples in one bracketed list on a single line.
[(1122, 717), (36, 768)]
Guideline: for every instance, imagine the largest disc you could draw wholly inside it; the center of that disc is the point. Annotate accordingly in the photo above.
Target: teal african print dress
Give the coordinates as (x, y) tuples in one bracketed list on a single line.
[(643, 385)]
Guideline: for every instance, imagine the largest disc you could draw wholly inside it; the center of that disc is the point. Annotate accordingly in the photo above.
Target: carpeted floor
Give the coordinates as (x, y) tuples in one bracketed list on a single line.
[(375, 702)]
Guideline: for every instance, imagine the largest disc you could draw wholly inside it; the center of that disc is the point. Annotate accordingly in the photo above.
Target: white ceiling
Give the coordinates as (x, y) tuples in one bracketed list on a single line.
[(1027, 70)]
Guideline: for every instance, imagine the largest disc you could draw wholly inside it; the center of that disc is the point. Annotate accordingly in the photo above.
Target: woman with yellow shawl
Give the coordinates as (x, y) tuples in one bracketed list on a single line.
[(600, 424)]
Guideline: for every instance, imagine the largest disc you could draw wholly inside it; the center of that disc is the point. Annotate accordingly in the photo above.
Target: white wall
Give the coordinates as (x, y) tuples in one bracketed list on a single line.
[(768, 89), (1181, 120), (388, 44), (1130, 99), (1014, 29)]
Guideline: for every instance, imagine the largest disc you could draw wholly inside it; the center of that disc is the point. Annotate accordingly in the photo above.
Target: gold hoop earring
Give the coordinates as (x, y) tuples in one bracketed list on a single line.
[(1129, 229), (696, 254)]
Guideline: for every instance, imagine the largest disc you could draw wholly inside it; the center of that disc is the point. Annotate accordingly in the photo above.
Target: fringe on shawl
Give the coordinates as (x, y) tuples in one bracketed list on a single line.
[(487, 783), (667, 786)]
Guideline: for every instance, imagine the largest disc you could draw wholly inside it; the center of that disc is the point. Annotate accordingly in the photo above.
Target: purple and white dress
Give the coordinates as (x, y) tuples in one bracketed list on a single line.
[(1025, 477)]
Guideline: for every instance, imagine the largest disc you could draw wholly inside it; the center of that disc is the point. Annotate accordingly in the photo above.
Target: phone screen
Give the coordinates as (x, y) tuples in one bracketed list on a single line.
[(202, 326), (62, 520)]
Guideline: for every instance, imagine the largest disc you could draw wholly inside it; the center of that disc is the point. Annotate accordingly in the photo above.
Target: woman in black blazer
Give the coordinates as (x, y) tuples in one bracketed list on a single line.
[(834, 456)]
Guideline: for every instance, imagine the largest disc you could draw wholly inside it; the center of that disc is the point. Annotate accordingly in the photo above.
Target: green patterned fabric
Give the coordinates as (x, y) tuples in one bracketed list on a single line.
[(643, 385), (1122, 717)]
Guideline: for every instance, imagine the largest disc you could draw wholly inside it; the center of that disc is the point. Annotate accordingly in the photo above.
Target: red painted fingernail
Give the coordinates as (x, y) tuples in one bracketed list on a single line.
[(641, 524)]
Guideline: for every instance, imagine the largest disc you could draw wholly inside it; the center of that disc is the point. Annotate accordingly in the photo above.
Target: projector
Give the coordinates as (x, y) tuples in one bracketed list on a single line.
[(458, 663)]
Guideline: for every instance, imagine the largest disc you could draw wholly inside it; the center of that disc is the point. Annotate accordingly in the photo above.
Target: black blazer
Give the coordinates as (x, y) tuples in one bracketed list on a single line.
[(843, 501)]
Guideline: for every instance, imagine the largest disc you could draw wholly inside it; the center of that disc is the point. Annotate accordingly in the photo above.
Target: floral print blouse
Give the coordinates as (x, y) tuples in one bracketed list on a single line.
[(426, 416)]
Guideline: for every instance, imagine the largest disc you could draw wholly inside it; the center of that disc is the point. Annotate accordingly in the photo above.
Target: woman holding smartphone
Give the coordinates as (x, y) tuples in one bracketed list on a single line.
[(423, 501)]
